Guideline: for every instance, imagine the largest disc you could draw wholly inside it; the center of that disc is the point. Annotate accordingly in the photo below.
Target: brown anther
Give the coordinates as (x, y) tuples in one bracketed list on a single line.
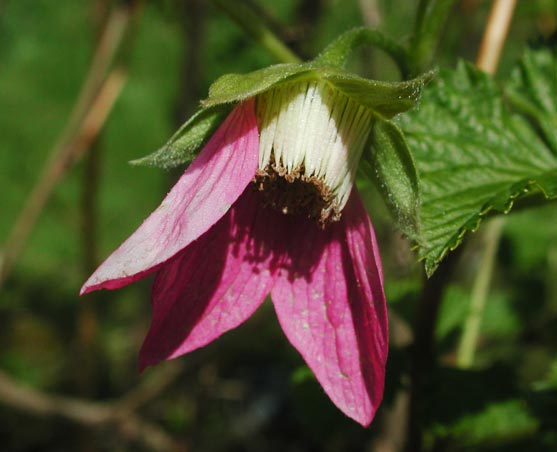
[(294, 193)]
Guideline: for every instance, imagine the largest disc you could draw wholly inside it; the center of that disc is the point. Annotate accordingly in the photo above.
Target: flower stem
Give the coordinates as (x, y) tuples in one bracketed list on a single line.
[(246, 18)]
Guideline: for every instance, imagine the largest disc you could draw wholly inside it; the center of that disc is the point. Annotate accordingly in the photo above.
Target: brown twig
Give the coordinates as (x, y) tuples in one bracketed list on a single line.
[(117, 414), (495, 34), (91, 108)]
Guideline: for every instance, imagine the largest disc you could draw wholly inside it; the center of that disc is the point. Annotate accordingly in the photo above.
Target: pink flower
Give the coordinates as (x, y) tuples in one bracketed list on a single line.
[(268, 207)]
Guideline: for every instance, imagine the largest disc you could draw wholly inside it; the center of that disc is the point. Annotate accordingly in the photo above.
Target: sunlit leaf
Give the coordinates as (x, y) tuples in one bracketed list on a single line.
[(473, 156)]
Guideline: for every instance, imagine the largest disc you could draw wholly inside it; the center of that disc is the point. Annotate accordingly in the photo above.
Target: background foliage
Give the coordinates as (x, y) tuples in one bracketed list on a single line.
[(250, 390)]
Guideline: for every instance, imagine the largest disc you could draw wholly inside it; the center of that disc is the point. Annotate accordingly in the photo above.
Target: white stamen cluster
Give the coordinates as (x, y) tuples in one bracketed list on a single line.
[(313, 133)]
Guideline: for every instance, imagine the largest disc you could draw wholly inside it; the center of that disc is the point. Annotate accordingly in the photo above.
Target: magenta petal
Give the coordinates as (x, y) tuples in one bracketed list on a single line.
[(204, 193), (331, 306), (212, 286)]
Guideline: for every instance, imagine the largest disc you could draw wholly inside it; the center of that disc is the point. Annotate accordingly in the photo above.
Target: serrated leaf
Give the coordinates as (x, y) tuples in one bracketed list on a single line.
[(391, 166), (183, 146), (473, 156)]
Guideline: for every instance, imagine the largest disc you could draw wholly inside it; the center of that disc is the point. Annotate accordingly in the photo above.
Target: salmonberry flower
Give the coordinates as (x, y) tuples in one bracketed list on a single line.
[(269, 206)]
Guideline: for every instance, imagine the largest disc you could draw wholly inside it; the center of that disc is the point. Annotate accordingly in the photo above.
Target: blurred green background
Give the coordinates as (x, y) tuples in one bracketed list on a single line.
[(249, 391)]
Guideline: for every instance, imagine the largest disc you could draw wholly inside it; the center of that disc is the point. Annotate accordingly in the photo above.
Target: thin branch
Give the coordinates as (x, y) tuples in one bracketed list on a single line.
[(94, 102), (110, 41), (91, 414), (57, 168), (495, 34)]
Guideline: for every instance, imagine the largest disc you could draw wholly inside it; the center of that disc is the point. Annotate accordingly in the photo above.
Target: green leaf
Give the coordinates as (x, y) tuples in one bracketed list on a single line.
[(391, 166), (473, 156), (500, 422), (183, 146)]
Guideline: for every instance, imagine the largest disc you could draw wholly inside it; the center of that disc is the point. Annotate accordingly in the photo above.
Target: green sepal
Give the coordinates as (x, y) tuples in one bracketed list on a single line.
[(384, 98), (237, 87), (389, 163), (183, 146)]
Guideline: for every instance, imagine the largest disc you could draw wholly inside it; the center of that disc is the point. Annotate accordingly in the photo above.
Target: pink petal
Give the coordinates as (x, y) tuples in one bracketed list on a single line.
[(212, 286), (331, 306), (204, 193)]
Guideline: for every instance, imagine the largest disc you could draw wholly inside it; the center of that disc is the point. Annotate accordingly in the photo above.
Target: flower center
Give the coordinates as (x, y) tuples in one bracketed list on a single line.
[(294, 193), (311, 140)]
